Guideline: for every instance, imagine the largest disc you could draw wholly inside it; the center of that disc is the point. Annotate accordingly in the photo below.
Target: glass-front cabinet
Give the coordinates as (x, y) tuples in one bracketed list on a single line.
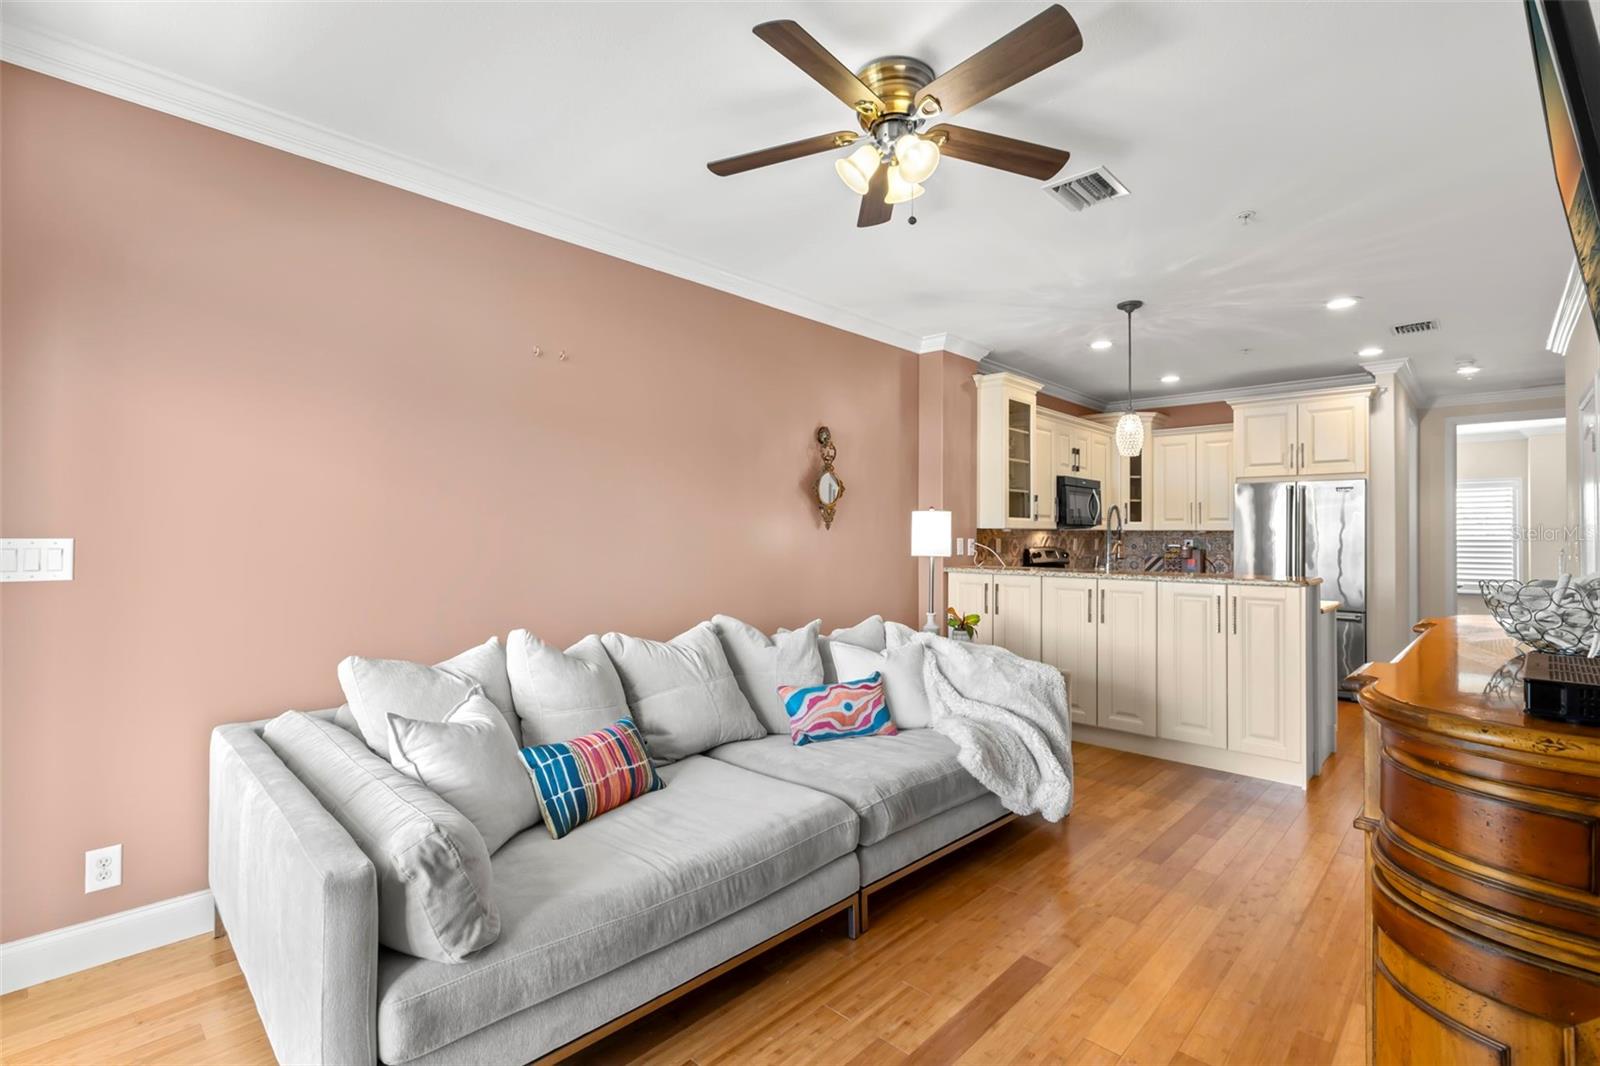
[(1022, 502), (1008, 497)]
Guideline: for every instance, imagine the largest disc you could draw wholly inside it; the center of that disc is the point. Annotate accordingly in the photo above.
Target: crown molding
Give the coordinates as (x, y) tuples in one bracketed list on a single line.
[(949, 342), (1574, 302), (1061, 392), (1248, 392), (146, 86), (1401, 370), (1500, 396)]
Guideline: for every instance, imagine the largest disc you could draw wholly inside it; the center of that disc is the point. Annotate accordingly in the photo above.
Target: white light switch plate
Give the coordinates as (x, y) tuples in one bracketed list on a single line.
[(24, 559)]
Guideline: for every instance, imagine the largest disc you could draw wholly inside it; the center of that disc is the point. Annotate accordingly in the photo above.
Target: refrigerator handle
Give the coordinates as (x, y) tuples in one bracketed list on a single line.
[(1289, 532)]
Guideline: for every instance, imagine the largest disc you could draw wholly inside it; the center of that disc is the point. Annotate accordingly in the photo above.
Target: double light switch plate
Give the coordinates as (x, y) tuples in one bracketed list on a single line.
[(23, 559)]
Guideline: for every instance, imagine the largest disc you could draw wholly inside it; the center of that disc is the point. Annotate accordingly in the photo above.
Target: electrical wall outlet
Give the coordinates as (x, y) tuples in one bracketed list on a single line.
[(102, 868)]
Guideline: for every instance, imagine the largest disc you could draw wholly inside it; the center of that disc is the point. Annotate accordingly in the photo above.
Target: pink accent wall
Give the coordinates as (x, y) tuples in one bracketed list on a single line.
[(290, 414)]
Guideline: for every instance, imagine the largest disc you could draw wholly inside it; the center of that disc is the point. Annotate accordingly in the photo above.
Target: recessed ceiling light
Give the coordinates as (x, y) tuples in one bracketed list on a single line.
[(1372, 351), (1100, 345), (1342, 303), (1169, 379), (1467, 369)]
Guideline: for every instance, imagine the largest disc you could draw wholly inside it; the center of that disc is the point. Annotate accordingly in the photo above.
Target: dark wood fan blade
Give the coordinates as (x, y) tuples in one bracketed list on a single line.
[(1002, 153), (1042, 41), (874, 212), (782, 153), (802, 49)]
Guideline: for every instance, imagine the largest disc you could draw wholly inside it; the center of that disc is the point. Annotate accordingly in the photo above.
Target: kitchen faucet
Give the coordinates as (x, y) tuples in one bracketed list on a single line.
[(1113, 516)]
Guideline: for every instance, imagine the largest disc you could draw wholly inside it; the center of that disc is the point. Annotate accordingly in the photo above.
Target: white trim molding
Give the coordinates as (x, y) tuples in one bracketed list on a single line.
[(66, 951), (150, 87), (1574, 302), (949, 342), (1532, 394), (992, 365), (1401, 369)]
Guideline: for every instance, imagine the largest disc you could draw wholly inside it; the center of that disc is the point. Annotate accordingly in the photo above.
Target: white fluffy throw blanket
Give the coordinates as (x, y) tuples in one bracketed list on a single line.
[(1008, 717)]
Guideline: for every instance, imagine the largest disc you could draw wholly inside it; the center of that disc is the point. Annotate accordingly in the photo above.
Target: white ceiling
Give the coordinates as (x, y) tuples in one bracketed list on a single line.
[(1391, 151)]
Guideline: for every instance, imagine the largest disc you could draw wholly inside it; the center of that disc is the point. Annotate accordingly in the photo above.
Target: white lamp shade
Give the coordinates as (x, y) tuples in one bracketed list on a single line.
[(930, 534), (856, 169), (900, 190), (917, 158)]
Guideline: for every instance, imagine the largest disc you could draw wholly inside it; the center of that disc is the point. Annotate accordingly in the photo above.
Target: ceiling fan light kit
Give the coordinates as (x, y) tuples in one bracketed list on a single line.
[(895, 97)]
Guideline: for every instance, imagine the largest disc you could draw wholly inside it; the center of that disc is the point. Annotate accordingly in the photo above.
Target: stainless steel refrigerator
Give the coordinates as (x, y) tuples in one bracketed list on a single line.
[(1310, 529)]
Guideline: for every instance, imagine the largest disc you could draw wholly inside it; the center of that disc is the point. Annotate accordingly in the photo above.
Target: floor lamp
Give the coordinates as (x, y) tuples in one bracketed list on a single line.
[(930, 540)]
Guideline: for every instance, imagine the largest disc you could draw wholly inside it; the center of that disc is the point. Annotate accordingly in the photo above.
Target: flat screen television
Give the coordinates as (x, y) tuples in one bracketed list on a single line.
[(1566, 53)]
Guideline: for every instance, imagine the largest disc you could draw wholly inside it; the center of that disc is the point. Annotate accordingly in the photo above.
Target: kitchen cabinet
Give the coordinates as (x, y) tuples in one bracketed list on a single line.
[(1267, 665), (1125, 656), (971, 593), (1192, 663), (1009, 495), (1017, 617), (1070, 640), (1312, 436), (1048, 443), (1067, 447), (1193, 480)]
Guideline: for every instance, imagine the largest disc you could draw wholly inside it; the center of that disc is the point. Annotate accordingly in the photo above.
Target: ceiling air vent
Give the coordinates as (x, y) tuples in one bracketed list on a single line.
[(1086, 190), (1407, 328)]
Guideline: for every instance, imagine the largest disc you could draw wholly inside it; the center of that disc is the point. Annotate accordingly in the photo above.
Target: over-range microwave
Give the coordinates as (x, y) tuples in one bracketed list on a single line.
[(1077, 503)]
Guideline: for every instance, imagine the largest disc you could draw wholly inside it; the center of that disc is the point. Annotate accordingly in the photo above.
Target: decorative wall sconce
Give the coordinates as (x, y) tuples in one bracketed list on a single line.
[(829, 489)]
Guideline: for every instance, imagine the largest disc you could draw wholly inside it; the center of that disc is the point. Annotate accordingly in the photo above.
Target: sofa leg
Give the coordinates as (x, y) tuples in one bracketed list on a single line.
[(217, 931), (861, 912), (851, 928)]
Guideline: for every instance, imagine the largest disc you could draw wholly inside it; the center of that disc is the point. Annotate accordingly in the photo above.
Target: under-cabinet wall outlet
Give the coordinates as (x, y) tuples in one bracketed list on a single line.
[(102, 868)]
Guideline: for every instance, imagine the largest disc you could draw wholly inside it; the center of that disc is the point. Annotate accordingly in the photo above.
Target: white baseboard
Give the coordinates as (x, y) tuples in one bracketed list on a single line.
[(1232, 762), (59, 952)]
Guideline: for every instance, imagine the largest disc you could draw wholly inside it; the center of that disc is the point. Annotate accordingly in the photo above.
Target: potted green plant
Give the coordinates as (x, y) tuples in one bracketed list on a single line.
[(962, 627)]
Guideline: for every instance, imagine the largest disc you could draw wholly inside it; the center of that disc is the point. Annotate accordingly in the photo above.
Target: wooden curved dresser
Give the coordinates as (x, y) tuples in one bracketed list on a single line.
[(1483, 860)]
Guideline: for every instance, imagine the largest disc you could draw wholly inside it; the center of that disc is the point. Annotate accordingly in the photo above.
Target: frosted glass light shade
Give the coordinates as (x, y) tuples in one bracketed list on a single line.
[(856, 169), (901, 190), (918, 159), (930, 534), (1130, 435)]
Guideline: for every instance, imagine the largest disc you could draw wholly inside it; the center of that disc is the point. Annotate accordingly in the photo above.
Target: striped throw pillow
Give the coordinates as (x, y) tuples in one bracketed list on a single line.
[(832, 712), (585, 777)]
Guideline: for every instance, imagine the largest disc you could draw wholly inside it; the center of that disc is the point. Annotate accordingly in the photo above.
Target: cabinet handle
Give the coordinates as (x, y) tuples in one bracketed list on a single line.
[(985, 598), (1035, 518), (997, 599), (1219, 614), (1302, 455), (1102, 606), (1090, 605), (1233, 603)]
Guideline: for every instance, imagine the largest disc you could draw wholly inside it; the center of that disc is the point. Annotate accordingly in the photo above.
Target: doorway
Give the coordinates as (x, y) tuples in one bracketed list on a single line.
[(1510, 506)]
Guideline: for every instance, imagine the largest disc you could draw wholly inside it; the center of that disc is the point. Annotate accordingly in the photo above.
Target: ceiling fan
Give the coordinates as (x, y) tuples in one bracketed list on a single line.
[(896, 96)]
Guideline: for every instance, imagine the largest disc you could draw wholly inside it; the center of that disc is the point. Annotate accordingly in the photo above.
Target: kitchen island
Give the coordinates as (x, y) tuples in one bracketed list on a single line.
[(1214, 670)]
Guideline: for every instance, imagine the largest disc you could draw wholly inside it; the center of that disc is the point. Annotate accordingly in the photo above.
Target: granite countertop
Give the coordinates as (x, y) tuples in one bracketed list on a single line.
[(1139, 575)]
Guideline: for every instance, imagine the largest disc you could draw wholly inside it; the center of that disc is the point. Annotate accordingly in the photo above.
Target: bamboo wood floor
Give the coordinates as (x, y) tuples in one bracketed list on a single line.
[(1178, 916)]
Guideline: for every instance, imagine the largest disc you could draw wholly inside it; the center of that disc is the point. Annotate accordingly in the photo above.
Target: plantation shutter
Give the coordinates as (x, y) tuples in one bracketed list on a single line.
[(1487, 545)]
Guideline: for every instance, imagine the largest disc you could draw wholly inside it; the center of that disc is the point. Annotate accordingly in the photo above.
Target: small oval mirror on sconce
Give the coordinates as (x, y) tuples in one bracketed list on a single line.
[(829, 488)]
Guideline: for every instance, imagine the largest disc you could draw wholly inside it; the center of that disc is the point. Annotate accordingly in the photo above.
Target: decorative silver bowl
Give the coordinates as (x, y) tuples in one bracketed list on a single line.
[(1543, 616)]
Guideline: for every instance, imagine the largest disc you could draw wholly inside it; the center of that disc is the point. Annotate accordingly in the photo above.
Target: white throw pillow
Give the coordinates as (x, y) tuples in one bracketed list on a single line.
[(868, 633), (902, 679), (470, 759), (562, 694), (761, 663), (684, 696), (377, 688)]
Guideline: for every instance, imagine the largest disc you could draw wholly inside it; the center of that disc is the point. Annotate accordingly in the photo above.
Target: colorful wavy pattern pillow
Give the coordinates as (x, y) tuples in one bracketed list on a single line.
[(585, 777), (833, 712)]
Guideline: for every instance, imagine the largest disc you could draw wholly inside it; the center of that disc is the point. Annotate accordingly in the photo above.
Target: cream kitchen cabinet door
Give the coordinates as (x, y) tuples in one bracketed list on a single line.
[(1174, 497), (1100, 469), (1017, 614), (1267, 671), (1192, 663), (1006, 456), (1213, 479), (973, 594), (1332, 434), (1047, 440), (1070, 640), (1265, 439), (1126, 654)]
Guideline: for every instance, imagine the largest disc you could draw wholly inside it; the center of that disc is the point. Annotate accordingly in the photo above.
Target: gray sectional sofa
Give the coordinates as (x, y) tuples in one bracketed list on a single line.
[(749, 843)]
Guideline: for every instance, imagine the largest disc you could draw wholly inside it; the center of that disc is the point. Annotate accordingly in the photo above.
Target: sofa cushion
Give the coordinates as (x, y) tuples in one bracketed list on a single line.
[(559, 694), (714, 841), (761, 663), (433, 869), (683, 694), (869, 633), (580, 779), (839, 711), (471, 760), (891, 782), (902, 679), (377, 688)]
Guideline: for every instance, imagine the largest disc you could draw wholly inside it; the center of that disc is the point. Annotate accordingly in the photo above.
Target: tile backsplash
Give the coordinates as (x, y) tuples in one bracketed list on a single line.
[(1142, 550)]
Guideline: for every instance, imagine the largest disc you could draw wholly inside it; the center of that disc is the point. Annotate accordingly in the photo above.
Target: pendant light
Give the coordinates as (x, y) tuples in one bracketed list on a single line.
[(1130, 427)]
